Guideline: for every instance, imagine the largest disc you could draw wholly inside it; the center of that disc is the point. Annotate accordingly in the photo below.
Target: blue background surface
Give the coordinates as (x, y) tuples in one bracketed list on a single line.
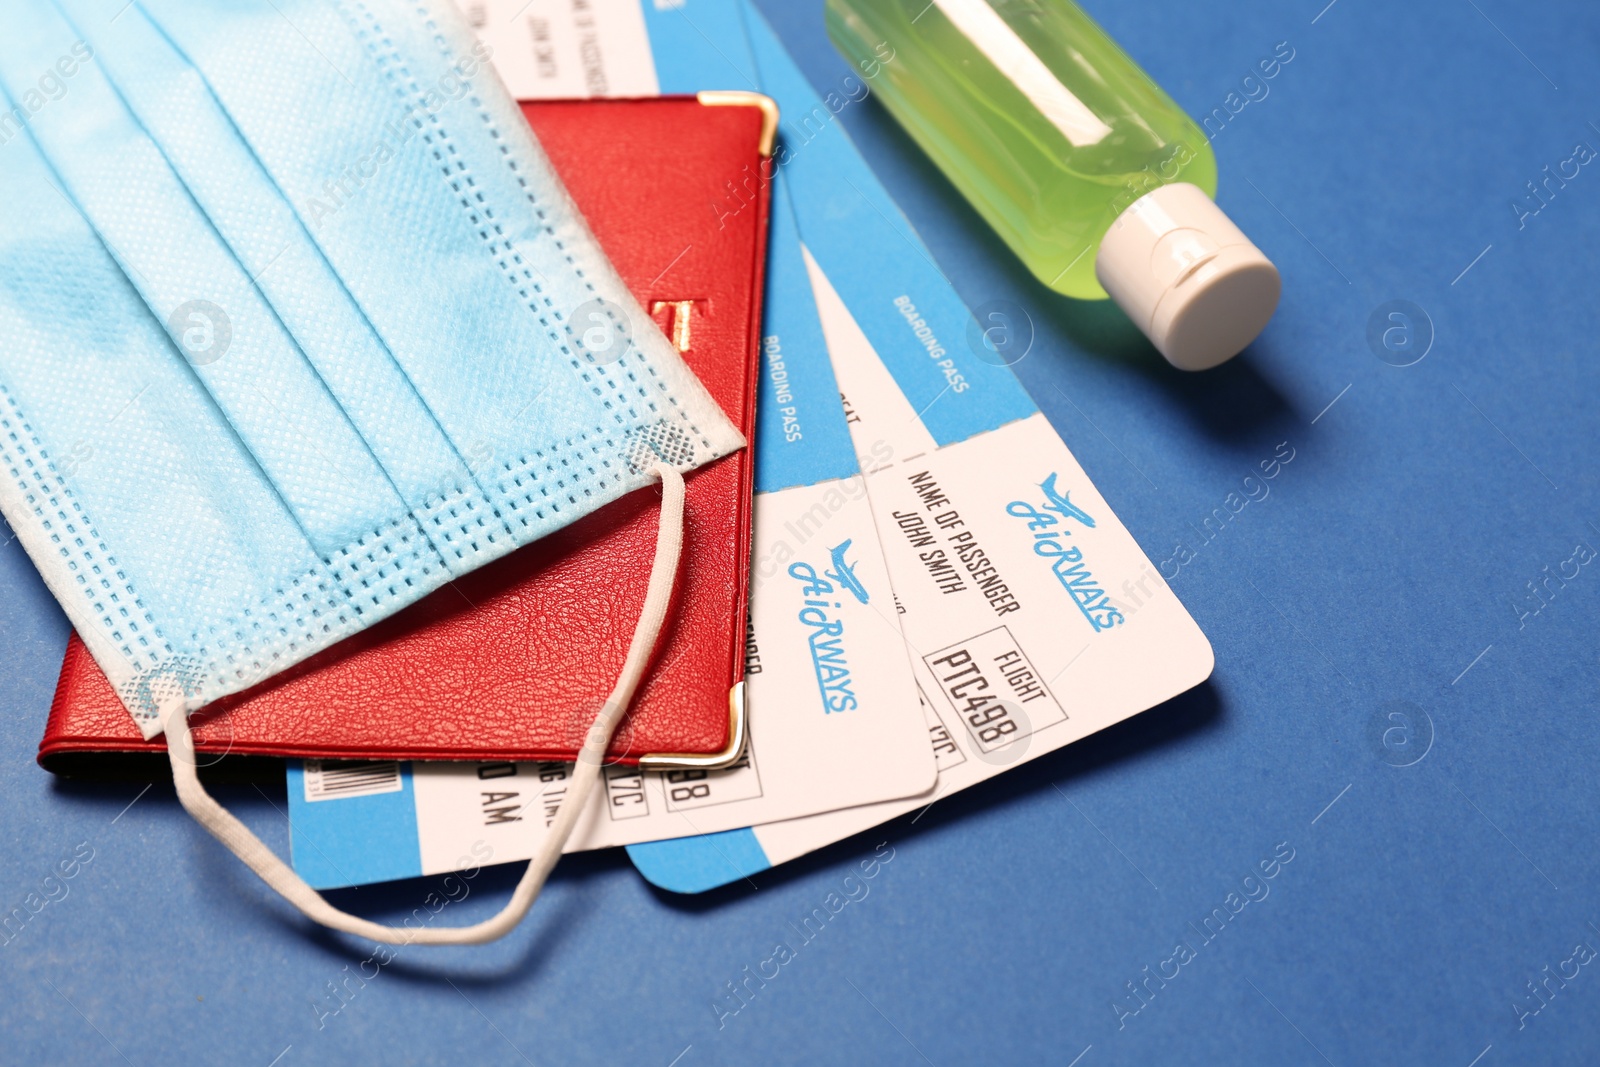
[(1383, 568)]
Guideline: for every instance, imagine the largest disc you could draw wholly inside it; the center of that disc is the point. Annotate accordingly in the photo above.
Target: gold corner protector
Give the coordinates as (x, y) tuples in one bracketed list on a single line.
[(707, 761), (747, 98)]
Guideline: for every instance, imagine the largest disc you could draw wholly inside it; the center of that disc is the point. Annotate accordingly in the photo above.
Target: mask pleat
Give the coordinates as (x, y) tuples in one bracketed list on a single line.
[(119, 179), (171, 101), (313, 103), (132, 483)]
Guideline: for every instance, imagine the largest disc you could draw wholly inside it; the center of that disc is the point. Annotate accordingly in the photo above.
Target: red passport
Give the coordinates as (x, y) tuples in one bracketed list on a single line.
[(512, 661)]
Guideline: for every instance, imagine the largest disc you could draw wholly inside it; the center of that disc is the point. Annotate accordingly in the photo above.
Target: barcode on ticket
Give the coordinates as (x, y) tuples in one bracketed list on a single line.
[(341, 779)]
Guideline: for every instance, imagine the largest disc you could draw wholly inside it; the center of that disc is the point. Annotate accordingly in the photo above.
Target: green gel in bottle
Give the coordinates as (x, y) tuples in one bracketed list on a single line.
[(1095, 178)]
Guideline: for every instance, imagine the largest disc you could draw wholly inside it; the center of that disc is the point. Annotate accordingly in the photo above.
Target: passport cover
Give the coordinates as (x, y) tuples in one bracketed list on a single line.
[(512, 661)]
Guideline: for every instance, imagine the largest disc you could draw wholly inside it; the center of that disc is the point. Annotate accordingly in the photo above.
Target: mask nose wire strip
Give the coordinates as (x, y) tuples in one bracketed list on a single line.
[(277, 874)]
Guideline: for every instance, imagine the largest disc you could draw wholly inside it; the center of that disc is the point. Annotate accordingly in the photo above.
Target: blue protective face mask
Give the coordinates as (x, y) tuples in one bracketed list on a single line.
[(296, 280)]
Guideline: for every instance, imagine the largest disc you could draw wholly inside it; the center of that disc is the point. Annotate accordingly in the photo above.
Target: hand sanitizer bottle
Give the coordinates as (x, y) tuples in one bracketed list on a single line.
[(1094, 177)]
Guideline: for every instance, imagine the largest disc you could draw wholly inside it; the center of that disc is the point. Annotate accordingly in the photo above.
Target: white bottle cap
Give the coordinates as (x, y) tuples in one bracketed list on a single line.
[(1187, 276)]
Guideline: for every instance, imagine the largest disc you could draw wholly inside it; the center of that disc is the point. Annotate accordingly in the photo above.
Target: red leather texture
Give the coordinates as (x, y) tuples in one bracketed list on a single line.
[(512, 661)]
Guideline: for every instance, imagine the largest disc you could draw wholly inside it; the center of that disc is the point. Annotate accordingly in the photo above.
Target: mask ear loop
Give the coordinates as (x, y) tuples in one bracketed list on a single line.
[(277, 874)]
